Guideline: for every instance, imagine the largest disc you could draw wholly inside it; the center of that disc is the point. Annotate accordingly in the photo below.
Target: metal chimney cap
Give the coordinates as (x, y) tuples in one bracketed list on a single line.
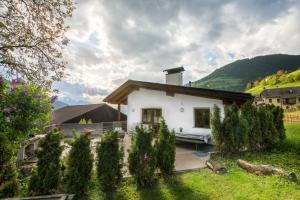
[(174, 70)]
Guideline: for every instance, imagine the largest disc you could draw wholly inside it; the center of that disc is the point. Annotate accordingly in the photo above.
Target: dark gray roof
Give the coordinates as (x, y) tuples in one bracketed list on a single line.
[(174, 70), (288, 92), (69, 112)]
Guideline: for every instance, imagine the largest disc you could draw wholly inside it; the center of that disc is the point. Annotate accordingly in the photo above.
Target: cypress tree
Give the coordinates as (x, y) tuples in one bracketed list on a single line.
[(79, 166), (166, 150), (142, 158), (47, 177), (249, 113), (217, 128), (109, 161), (8, 175)]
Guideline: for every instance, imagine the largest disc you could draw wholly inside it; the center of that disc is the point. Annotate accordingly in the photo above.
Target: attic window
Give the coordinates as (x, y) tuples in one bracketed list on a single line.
[(202, 117)]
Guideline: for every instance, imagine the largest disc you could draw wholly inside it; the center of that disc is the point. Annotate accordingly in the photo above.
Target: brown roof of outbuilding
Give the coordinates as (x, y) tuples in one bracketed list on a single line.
[(119, 96), (69, 112), (288, 92)]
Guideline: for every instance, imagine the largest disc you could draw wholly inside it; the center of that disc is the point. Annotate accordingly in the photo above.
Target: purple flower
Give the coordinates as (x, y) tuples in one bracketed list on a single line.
[(38, 96), (53, 98), (25, 91), (7, 110), (16, 81), (7, 119)]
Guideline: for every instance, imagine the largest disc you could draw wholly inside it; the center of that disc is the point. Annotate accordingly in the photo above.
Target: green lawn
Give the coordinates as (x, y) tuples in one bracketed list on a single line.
[(236, 184)]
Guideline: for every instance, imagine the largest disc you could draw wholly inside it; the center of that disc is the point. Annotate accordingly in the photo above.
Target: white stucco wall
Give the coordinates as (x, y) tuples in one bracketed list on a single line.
[(174, 79), (145, 98)]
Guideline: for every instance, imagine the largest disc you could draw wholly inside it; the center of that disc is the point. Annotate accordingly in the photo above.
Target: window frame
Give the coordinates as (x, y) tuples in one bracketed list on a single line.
[(142, 113), (194, 113)]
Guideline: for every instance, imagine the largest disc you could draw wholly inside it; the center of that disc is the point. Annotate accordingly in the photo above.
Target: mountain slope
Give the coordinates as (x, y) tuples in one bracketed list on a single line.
[(236, 75), (59, 104), (278, 80)]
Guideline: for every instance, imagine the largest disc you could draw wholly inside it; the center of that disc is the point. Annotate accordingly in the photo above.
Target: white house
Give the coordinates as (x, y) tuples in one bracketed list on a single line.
[(186, 109)]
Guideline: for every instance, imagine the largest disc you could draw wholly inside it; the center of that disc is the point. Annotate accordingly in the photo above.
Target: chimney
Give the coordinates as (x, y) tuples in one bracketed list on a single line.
[(174, 76)]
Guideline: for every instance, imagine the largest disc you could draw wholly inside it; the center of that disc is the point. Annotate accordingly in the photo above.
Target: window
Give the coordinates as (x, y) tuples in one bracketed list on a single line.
[(202, 117), (278, 100), (270, 100), (151, 116)]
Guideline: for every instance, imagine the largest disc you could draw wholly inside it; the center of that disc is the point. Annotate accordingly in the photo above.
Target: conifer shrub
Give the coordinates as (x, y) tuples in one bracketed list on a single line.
[(250, 114), (252, 128), (165, 149), (267, 128), (217, 128), (79, 166), (278, 116), (47, 176), (142, 158), (109, 161), (8, 176)]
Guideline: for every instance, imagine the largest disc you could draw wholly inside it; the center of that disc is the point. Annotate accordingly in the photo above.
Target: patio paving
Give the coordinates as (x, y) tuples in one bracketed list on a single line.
[(187, 157)]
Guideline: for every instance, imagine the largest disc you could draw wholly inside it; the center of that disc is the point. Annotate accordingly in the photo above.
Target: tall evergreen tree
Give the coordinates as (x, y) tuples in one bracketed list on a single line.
[(142, 158), (109, 161), (8, 176), (47, 178), (217, 128), (249, 113), (80, 164), (166, 150)]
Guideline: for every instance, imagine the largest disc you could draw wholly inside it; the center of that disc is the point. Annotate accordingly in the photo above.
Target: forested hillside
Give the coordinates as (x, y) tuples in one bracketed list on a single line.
[(280, 79), (236, 75)]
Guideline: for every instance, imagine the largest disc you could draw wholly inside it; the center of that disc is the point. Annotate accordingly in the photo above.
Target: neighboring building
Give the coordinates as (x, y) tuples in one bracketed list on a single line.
[(187, 110), (97, 113), (102, 117), (287, 98)]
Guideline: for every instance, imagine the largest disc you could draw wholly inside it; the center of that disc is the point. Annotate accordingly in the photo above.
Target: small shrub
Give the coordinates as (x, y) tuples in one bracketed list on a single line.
[(165, 149), (79, 166), (8, 181), (249, 113), (267, 128), (142, 158), (217, 128), (109, 161), (47, 177)]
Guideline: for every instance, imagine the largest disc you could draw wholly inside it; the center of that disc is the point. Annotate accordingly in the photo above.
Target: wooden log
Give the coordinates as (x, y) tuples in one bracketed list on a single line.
[(215, 167), (266, 170)]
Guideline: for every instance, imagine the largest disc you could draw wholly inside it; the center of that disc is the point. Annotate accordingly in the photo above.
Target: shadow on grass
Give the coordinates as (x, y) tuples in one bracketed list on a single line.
[(180, 191), (152, 193)]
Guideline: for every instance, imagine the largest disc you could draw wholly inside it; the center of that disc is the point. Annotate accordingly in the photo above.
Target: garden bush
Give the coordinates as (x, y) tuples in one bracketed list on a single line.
[(217, 128), (25, 109), (249, 113), (8, 176), (109, 161), (252, 128), (79, 166), (165, 149), (142, 158), (46, 179)]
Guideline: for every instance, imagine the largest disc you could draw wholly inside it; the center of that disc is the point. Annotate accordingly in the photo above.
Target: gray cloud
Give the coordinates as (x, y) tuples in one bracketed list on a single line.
[(114, 40)]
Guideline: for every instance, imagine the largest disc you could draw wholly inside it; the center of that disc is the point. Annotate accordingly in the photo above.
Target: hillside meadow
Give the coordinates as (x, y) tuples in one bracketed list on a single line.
[(275, 81)]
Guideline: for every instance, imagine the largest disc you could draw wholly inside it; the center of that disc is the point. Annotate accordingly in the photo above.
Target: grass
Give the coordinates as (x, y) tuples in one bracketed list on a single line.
[(236, 184), (258, 89)]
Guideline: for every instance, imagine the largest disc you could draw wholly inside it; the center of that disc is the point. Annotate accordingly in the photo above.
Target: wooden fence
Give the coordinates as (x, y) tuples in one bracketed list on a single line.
[(292, 118)]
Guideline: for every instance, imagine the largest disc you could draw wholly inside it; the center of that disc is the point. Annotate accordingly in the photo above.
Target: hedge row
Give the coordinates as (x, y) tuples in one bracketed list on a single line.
[(247, 128), (144, 159)]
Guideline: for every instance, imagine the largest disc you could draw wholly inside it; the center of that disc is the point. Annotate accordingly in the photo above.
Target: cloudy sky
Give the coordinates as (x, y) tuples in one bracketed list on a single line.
[(115, 40)]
